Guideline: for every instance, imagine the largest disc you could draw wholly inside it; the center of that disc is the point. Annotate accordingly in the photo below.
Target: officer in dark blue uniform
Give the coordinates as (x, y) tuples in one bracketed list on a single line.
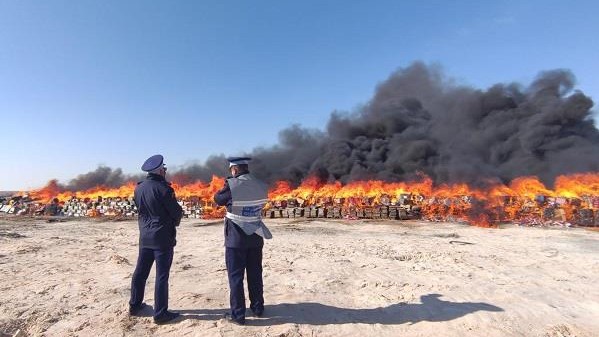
[(159, 214), (244, 197)]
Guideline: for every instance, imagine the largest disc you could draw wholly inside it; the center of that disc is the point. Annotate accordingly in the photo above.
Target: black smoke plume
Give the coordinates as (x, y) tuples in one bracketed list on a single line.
[(421, 121), (102, 176)]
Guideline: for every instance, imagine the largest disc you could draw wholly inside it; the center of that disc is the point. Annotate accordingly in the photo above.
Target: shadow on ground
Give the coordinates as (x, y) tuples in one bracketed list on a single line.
[(431, 309)]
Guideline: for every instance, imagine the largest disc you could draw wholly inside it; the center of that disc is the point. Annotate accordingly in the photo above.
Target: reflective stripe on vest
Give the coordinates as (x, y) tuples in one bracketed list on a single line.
[(235, 217), (259, 202)]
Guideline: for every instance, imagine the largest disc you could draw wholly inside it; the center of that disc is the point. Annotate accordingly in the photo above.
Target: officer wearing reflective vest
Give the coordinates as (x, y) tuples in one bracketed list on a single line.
[(159, 214), (244, 196)]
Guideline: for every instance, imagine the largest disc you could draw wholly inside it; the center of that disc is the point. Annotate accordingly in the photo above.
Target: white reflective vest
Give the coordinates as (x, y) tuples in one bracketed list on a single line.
[(249, 195)]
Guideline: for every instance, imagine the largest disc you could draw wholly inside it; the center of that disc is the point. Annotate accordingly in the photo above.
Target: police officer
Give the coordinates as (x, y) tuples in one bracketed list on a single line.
[(159, 214), (244, 196)]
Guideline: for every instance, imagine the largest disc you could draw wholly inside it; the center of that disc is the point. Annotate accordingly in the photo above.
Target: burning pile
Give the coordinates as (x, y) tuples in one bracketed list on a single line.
[(195, 199), (574, 200), (465, 141)]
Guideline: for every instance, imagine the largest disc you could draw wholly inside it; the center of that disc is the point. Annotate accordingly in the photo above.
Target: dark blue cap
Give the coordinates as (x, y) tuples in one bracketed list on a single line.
[(153, 163), (238, 160)]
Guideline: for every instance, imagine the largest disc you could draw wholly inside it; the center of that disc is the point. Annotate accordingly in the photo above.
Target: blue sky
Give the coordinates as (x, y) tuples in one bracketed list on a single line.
[(84, 83)]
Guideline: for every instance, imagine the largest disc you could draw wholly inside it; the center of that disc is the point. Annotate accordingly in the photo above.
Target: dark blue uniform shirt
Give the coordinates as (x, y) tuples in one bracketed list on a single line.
[(234, 236), (159, 213)]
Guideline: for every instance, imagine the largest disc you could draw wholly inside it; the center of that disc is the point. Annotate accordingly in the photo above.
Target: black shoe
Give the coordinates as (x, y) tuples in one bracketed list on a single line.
[(229, 318), (135, 310), (258, 313), (166, 317)]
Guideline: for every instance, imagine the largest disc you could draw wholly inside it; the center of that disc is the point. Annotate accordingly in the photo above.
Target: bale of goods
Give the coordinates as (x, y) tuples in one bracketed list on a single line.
[(537, 210)]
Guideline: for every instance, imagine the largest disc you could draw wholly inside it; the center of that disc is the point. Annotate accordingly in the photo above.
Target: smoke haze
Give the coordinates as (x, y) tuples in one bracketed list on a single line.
[(421, 121)]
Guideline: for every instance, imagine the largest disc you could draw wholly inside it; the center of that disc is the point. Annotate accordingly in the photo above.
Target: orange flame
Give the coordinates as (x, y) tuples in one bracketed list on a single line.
[(204, 192), (480, 206)]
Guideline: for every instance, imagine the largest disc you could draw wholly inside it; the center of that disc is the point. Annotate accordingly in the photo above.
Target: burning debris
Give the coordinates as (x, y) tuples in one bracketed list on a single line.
[(526, 201), (544, 211), (195, 199), (460, 145), (95, 207)]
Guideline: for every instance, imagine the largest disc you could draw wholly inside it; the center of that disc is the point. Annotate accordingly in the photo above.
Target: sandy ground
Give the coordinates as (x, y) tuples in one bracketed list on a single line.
[(322, 278)]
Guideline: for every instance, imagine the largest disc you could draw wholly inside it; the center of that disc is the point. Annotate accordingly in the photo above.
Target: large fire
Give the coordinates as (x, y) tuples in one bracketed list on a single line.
[(523, 197)]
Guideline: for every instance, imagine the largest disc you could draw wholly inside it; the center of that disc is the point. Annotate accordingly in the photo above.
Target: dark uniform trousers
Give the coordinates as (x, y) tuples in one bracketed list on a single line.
[(164, 259), (240, 260)]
